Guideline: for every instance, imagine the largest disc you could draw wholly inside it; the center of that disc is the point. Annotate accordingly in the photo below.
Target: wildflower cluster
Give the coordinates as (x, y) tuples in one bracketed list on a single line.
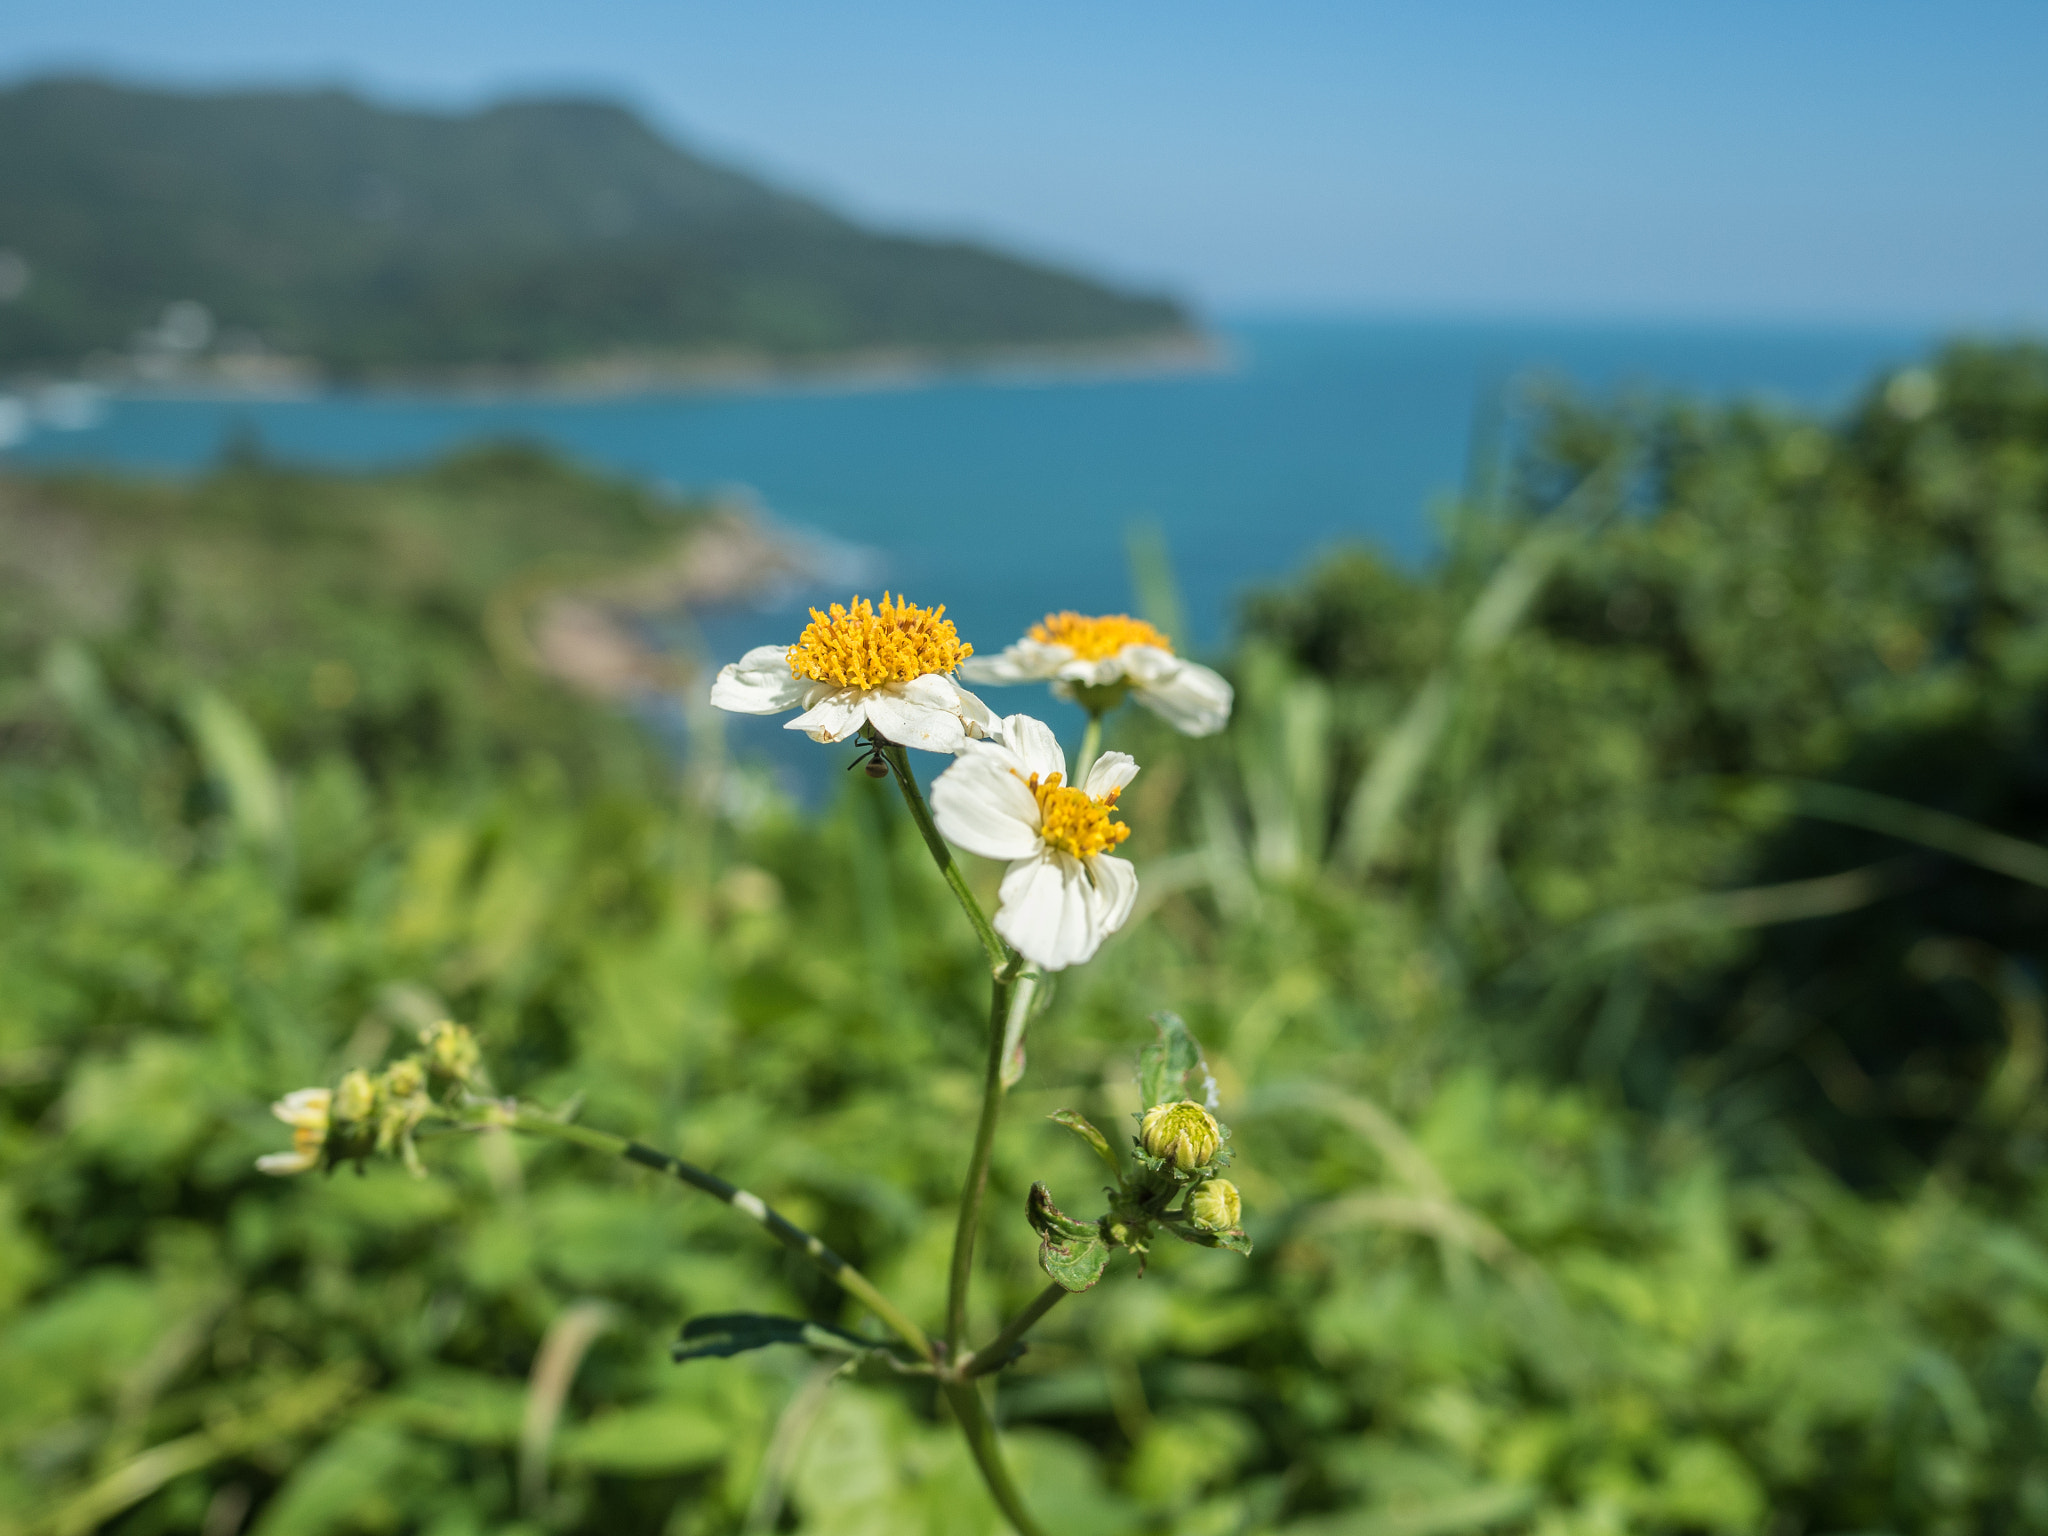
[(367, 1114), (1178, 1153), (885, 675)]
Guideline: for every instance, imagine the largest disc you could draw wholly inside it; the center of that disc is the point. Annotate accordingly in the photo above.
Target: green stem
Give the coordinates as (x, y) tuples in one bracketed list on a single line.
[(997, 1352), (1004, 966), (988, 1455), (1091, 748), (977, 1168), (784, 1231), (898, 758)]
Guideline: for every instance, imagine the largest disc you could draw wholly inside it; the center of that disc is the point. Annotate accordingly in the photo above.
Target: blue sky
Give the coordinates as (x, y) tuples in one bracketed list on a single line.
[(1812, 160)]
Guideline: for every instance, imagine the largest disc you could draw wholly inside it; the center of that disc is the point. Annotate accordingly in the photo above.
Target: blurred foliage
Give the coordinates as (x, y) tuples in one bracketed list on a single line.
[(1629, 1145), (373, 241)]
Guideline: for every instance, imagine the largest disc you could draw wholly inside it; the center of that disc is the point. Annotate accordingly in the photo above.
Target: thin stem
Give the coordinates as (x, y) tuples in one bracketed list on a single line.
[(1003, 965), (988, 1455), (997, 1352), (1091, 748), (784, 1231), (977, 1168), (898, 758)]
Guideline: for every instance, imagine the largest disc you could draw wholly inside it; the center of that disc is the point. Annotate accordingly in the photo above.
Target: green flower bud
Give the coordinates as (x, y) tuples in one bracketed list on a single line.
[(405, 1078), (1215, 1206), (1184, 1134), (356, 1099), (451, 1051), (404, 1086)]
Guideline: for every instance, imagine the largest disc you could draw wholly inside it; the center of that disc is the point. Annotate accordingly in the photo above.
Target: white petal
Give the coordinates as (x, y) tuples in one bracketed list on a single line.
[(1189, 697), (1112, 770), (1094, 674), (759, 683), (834, 717), (979, 719), (1150, 663), (1048, 910), (922, 713), (1028, 661), (1037, 749), (281, 1163), (304, 1106), (1116, 884), (981, 804)]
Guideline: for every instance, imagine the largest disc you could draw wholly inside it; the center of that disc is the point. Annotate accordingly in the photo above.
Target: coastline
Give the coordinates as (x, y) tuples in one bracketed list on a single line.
[(724, 372)]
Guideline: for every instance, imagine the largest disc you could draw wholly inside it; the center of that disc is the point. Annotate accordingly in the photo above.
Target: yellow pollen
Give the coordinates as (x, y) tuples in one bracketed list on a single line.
[(1073, 820), (869, 646), (1091, 639)]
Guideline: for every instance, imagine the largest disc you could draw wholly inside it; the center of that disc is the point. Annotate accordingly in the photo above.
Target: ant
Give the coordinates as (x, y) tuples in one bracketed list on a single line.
[(871, 760)]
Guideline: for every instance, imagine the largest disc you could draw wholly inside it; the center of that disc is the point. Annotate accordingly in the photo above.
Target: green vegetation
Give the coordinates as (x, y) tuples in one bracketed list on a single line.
[(530, 236), (1619, 947)]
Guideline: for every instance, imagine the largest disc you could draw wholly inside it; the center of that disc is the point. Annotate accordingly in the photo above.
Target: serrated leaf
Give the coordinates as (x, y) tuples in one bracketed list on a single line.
[(1074, 1266), (1052, 1222), (1072, 1253), (1163, 1066), (1076, 1122), (731, 1333)]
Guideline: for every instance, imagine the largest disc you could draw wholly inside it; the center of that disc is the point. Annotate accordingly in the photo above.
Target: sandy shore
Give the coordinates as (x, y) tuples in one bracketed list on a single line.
[(589, 633)]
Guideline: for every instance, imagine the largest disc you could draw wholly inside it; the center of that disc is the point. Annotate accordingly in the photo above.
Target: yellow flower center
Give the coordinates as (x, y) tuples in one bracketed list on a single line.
[(869, 646), (1091, 639), (1073, 820)]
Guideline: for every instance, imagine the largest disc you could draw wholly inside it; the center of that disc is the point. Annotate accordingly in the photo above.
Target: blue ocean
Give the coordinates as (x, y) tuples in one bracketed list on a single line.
[(1005, 496)]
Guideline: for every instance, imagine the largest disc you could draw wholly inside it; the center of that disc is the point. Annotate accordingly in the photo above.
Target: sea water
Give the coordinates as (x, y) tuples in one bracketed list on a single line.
[(1004, 496)]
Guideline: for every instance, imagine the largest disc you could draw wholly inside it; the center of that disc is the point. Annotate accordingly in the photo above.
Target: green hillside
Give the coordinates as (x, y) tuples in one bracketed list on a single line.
[(1619, 946), (528, 236)]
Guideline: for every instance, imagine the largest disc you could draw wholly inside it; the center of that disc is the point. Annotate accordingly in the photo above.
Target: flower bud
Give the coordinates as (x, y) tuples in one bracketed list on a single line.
[(405, 1078), (356, 1099), (405, 1104), (1215, 1206), (452, 1052), (1184, 1134)]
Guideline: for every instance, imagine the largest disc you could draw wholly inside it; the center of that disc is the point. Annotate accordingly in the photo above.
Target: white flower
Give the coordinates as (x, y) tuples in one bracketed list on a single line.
[(1007, 798), (1077, 653), (885, 671), (306, 1111)]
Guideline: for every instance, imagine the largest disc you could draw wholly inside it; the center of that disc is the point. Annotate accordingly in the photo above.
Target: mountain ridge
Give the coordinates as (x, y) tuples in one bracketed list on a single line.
[(524, 238)]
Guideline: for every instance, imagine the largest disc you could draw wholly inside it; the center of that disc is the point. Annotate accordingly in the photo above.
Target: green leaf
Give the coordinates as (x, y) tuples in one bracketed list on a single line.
[(1072, 1253), (1052, 1222), (649, 1440), (236, 760), (1232, 1238), (1163, 1067), (1074, 1266), (1076, 1122), (1027, 1002), (731, 1333)]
